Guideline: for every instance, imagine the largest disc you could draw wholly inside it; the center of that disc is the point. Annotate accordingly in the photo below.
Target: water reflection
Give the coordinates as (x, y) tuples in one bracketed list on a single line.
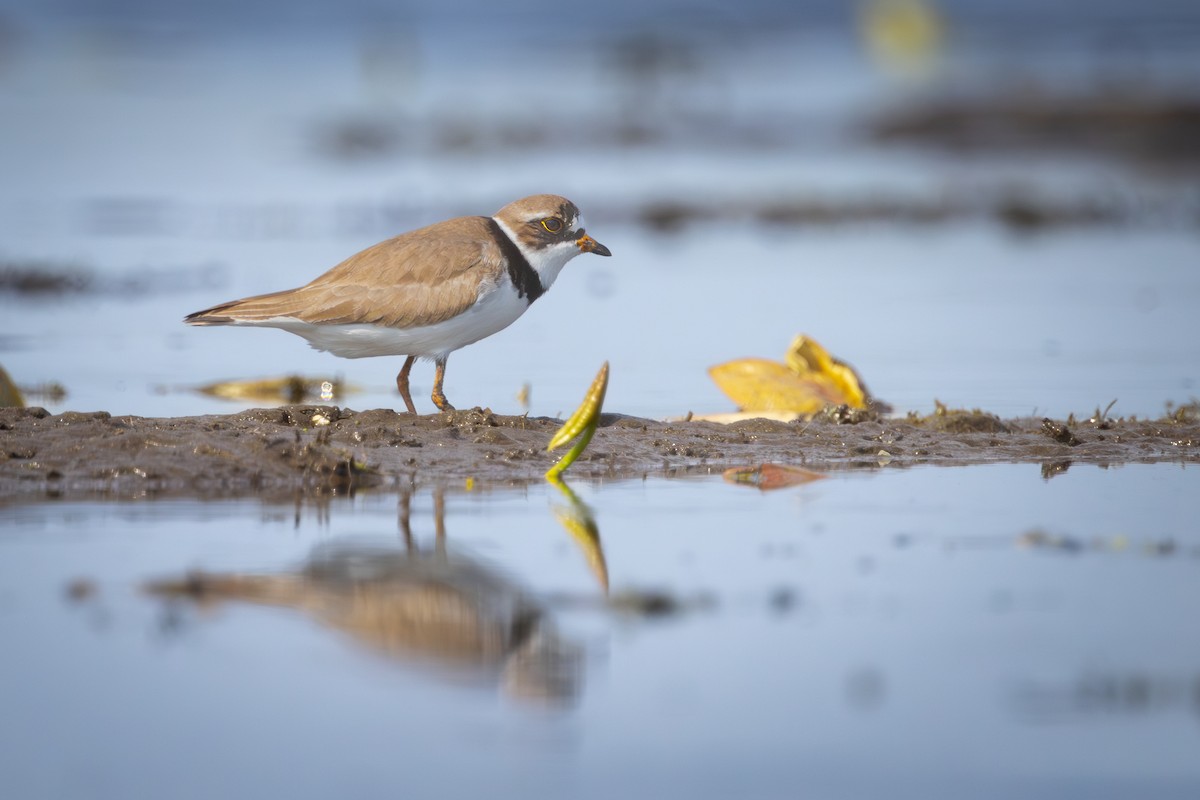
[(433, 606), (577, 519)]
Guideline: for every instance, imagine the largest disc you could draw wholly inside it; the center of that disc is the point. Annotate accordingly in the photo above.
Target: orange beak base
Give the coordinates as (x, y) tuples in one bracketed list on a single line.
[(589, 245)]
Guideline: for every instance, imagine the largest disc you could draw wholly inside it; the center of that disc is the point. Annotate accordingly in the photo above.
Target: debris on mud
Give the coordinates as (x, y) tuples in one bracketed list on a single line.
[(324, 450), (957, 420), (1059, 432)]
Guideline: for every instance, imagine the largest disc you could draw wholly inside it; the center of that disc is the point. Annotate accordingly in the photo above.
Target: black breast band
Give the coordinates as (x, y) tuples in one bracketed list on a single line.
[(523, 276)]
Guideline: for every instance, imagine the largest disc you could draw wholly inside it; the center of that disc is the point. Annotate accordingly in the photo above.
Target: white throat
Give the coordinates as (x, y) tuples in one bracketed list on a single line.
[(547, 262)]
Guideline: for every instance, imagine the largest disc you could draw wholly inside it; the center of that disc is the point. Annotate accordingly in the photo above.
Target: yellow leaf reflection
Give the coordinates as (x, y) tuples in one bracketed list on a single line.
[(771, 476), (577, 518)]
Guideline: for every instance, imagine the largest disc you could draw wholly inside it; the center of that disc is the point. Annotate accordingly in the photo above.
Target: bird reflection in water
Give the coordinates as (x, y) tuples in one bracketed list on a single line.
[(435, 607)]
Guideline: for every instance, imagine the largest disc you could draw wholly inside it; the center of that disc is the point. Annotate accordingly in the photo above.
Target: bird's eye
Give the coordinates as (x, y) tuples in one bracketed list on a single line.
[(551, 224)]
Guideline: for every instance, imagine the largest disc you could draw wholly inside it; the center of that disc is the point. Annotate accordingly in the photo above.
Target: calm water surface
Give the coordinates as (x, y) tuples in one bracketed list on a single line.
[(975, 631), (972, 632), (205, 172)]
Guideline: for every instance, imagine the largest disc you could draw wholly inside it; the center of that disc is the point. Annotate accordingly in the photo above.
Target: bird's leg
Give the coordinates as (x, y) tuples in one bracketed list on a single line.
[(439, 397), (402, 384)]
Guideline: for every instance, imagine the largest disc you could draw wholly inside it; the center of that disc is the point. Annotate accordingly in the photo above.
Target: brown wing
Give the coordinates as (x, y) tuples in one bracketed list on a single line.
[(417, 278)]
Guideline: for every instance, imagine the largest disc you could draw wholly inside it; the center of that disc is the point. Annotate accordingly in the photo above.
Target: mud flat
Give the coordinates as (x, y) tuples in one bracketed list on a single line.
[(330, 450)]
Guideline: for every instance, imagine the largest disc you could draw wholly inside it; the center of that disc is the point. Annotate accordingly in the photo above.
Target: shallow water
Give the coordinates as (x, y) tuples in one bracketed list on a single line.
[(205, 172), (975, 631), (925, 632), (974, 318)]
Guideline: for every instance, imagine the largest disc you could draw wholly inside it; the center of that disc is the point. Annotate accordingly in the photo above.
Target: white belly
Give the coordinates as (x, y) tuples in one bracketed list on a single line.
[(493, 312)]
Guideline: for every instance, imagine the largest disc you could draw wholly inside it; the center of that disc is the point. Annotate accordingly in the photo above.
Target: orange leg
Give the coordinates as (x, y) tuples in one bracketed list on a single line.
[(439, 397), (402, 384)]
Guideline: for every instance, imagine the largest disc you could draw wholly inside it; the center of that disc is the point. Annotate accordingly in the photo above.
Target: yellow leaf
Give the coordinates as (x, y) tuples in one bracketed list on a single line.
[(582, 423), (905, 36), (757, 384), (811, 380), (810, 359), (588, 412), (10, 395)]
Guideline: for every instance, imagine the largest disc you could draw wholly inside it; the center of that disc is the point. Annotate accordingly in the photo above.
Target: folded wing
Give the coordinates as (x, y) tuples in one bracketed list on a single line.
[(415, 279)]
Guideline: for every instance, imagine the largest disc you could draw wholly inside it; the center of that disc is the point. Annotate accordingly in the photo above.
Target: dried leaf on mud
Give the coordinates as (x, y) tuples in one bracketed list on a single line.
[(582, 423), (810, 380)]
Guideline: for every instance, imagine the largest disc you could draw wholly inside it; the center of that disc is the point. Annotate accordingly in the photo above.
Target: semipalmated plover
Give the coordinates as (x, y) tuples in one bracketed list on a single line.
[(428, 292)]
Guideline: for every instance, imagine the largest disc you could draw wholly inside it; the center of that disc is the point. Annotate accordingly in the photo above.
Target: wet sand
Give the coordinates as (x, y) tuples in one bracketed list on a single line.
[(329, 450)]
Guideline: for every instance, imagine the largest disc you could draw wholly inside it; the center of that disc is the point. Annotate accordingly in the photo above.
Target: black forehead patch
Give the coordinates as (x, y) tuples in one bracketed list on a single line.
[(568, 211)]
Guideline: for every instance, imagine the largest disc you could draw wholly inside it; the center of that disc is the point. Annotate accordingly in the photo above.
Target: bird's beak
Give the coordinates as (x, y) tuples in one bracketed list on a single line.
[(589, 245)]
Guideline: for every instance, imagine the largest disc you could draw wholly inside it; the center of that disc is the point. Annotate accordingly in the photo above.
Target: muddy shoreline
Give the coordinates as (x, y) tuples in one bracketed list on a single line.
[(321, 450)]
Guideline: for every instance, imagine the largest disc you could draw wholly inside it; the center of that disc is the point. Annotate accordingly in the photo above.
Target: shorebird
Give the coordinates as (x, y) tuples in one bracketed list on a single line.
[(428, 292)]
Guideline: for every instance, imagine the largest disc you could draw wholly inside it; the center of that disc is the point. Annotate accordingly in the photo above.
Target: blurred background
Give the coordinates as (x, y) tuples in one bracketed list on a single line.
[(989, 203)]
